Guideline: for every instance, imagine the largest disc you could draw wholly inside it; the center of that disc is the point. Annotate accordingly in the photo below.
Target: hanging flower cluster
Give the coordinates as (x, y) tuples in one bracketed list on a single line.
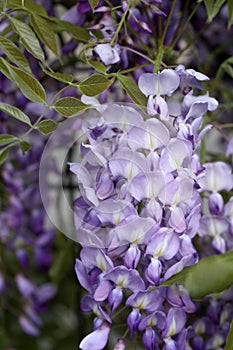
[(139, 210)]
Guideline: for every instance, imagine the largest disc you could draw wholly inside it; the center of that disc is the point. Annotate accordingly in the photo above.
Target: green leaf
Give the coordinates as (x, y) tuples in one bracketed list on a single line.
[(132, 90), (43, 30), (13, 53), (69, 106), (4, 152), (5, 139), (210, 275), (228, 69), (25, 146), (30, 87), (99, 67), (213, 8), (64, 78), (94, 85), (28, 38), (93, 3), (209, 6), (78, 33), (15, 113), (230, 13), (229, 341), (4, 68), (27, 5), (47, 126)]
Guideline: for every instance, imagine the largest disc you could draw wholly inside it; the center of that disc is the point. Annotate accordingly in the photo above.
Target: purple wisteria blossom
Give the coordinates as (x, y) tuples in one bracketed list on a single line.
[(139, 209), (109, 55)]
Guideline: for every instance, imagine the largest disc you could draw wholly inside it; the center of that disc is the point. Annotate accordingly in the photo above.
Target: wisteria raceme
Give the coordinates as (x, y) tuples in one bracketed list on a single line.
[(139, 209)]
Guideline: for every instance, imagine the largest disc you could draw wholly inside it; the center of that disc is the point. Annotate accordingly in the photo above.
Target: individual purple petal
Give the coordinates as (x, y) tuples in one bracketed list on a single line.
[(104, 185), (154, 209), (125, 278), (133, 321), (94, 257), (168, 82), (177, 219), (219, 244), (132, 257), (120, 345), (102, 291), (115, 298), (175, 153), (149, 300), (217, 177), (197, 75), (96, 340), (122, 117), (82, 275), (165, 243), (45, 293), (148, 83), (163, 83), (149, 338), (127, 163), (156, 319), (86, 181), (2, 282), (215, 203), (108, 54), (175, 322), (157, 105), (22, 257), (178, 297), (28, 327), (97, 323), (136, 231), (152, 107), (144, 185), (213, 226), (196, 110), (153, 271), (170, 344), (177, 267), (116, 211), (212, 102), (150, 135), (186, 246), (32, 314), (92, 101), (26, 287)]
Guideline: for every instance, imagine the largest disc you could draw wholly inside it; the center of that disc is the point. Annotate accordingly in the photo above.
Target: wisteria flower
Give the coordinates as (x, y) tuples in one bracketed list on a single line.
[(154, 86), (107, 53)]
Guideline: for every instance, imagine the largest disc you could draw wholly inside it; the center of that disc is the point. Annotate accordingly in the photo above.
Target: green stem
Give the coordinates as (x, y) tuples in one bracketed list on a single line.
[(46, 109), (138, 53), (168, 22), (132, 69), (120, 25), (109, 3), (158, 59)]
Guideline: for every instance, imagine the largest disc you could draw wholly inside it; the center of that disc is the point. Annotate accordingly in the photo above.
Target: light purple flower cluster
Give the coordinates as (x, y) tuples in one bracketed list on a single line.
[(216, 227), (27, 239), (139, 209)]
